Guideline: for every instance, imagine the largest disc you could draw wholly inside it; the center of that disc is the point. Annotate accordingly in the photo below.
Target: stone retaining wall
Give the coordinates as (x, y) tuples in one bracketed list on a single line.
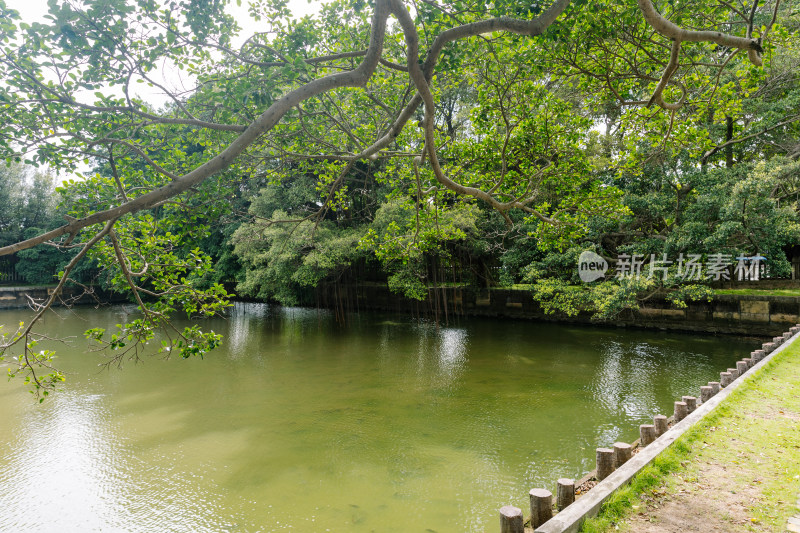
[(20, 297), (766, 315)]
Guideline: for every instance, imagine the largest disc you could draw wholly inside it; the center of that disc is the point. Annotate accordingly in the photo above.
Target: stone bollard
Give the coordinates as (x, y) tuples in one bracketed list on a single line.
[(605, 463), (750, 362), (680, 411), (691, 403), (725, 379), (734, 373), (565, 493), (706, 393), (541, 506), (768, 347), (647, 434), (511, 520), (714, 387), (777, 341), (660, 423), (741, 367), (787, 336), (622, 453), (793, 330), (758, 355)]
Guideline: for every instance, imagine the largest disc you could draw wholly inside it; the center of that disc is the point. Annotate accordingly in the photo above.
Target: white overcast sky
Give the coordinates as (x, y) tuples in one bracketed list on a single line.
[(34, 11)]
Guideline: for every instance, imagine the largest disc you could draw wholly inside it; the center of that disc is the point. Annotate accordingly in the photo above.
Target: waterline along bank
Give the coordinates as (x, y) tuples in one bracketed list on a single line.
[(383, 423), (759, 313), (616, 469)]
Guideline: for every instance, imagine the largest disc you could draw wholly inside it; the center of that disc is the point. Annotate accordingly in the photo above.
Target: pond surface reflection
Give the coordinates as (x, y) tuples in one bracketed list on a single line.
[(384, 424)]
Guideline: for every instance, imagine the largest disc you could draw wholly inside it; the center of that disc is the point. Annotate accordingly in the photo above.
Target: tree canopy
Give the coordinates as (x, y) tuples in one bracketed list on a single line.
[(409, 134)]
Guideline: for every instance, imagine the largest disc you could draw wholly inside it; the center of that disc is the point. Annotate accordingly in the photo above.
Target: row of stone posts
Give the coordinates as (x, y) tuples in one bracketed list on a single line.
[(609, 459)]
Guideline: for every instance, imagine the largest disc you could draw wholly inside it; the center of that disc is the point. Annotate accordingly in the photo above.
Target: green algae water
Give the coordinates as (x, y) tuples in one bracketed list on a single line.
[(383, 424)]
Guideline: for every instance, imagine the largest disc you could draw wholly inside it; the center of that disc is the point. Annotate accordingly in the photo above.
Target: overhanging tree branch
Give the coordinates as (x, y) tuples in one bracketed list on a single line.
[(716, 149), (417, 75), (264, 123), (680, 35)]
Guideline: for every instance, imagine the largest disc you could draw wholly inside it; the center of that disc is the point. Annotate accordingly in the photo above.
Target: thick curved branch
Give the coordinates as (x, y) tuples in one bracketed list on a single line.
[(531, 28), (752, 54), (421, 82), (421, 75), (354, 78), (672, 66), (679, 35), (672, 31)]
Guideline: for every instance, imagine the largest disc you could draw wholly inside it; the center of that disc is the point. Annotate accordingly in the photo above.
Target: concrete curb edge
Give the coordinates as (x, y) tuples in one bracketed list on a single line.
[(572, 517)]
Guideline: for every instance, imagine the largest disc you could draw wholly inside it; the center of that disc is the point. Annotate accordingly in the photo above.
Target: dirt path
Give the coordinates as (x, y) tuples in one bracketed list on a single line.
[(743, 471)]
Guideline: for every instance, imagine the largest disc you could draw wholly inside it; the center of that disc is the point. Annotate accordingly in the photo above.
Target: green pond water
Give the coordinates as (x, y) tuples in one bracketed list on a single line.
[(385, 424)]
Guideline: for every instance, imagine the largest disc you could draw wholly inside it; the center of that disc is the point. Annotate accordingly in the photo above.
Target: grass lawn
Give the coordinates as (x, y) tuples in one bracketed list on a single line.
[(759, 292), (736, 470), (737, 292)]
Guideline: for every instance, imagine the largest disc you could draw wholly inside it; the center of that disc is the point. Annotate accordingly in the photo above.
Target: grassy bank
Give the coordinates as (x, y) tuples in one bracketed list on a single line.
[(737, 470), (759, 292)]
